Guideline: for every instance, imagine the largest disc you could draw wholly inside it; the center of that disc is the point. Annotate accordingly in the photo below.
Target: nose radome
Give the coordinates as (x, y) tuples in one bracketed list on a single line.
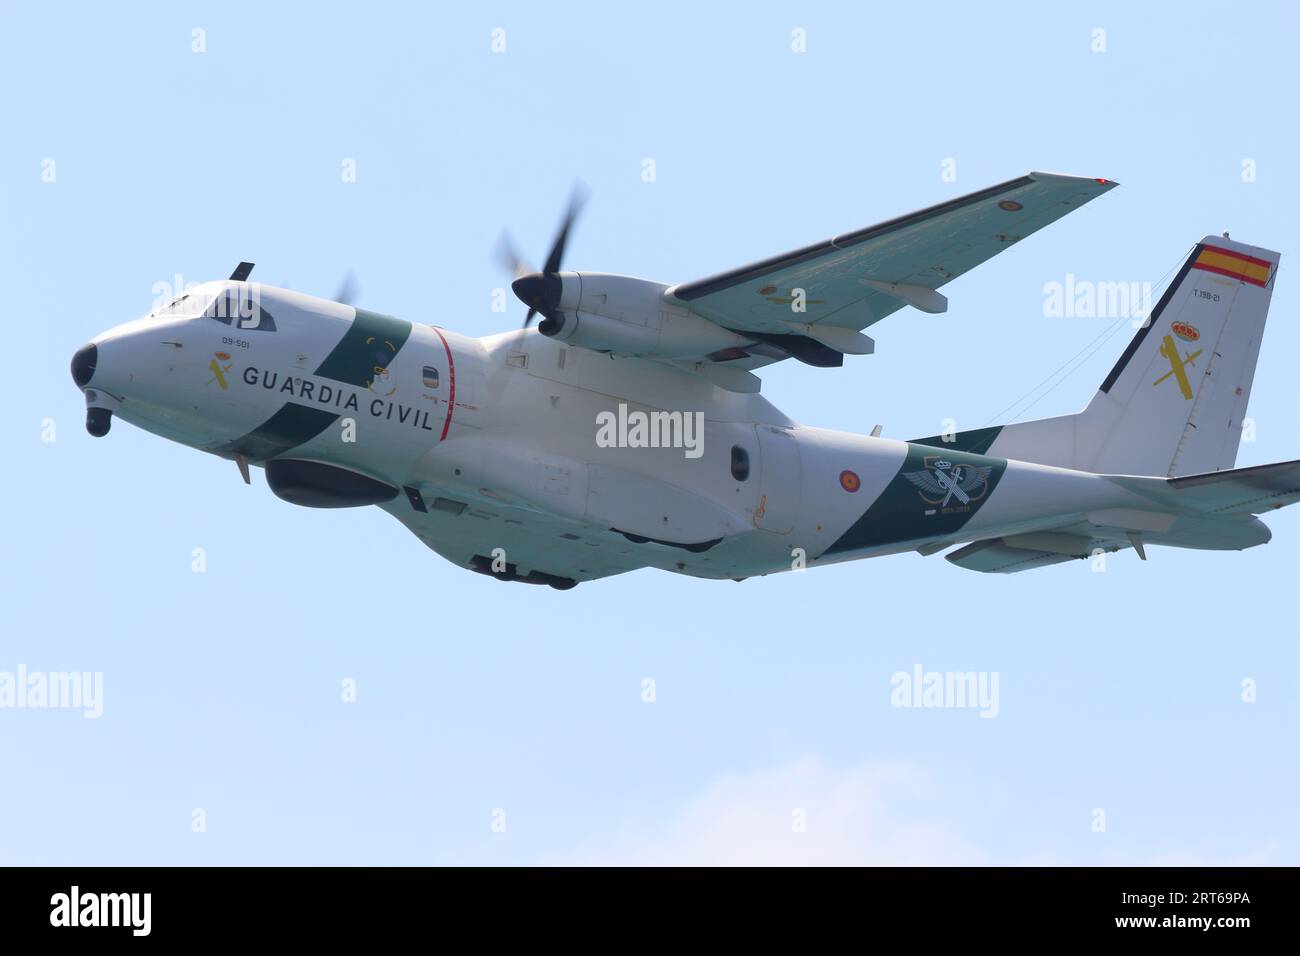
[(83, 364)]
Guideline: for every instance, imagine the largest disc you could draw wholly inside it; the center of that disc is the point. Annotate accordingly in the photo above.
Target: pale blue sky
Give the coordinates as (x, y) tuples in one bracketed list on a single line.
[(1119, 691)]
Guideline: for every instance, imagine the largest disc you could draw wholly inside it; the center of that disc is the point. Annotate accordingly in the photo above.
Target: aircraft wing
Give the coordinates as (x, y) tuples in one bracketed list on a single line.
[(854, 280)]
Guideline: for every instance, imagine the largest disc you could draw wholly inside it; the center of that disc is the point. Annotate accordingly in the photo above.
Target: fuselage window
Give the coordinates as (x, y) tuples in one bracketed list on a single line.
[(430, 377), (241, 312), (739, 463)]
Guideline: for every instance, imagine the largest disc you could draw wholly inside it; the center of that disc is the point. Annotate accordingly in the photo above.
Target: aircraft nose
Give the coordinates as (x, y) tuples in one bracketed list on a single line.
[(99, 404), (84, 361)]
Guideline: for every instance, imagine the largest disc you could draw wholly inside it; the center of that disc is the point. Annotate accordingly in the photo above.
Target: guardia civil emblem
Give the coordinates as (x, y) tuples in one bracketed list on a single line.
[(942, 482)]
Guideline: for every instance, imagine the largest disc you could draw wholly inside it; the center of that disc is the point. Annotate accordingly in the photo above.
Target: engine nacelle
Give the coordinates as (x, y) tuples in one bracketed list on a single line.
[(631, 317)]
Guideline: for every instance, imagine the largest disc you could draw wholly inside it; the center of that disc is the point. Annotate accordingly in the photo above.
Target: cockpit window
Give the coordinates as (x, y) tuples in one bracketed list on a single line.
[(241, 311)]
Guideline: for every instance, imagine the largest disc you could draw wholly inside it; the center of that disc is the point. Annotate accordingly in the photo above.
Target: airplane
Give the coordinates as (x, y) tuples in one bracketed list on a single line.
[(627, 430)]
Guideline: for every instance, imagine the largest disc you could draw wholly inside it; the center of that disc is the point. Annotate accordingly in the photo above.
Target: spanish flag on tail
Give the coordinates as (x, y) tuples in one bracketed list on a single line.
[(1235, 265)]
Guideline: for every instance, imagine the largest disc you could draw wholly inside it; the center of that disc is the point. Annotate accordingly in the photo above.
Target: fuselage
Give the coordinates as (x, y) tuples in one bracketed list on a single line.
[(550, 458)]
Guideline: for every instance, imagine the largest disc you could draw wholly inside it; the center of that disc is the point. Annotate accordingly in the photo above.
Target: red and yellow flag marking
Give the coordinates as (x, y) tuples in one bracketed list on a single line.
[(1235, 265)]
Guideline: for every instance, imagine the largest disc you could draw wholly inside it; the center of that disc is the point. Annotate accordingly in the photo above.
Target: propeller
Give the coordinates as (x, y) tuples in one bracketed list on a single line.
[(541, 291), (508, 258)]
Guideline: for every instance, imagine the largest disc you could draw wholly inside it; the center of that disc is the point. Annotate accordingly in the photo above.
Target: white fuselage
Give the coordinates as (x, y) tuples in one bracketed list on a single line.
[(526, 445)]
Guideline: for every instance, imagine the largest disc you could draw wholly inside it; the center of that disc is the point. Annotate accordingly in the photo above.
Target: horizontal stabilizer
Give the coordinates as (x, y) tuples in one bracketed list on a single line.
[(1239, 491), (1212, 511)]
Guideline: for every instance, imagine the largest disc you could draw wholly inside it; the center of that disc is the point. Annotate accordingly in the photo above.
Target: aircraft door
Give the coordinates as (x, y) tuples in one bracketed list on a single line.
[(781, 490)]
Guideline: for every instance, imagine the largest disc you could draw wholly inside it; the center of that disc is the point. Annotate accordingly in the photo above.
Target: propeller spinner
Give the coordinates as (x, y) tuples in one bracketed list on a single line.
[(541, 291)]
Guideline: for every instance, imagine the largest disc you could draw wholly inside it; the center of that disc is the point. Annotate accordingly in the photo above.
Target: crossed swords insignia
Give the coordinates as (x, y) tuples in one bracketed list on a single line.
[(941, 480), (219, 373), (1177, 365)]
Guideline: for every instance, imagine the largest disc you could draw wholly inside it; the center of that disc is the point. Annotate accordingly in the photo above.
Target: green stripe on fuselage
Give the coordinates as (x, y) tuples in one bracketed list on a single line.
[(977, 440), (288, 428), (368, 346), (925, 499), (371, 343)]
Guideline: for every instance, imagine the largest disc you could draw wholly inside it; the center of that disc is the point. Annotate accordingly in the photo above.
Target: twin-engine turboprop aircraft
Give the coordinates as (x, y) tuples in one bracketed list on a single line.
[(626, 430)]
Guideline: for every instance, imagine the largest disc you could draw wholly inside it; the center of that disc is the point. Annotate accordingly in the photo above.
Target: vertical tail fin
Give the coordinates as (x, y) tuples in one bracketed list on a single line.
[(1174, 402)]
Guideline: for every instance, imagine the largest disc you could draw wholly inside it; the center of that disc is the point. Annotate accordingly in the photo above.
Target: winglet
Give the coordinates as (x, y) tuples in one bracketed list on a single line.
[(241, 271), (1106, 184)]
